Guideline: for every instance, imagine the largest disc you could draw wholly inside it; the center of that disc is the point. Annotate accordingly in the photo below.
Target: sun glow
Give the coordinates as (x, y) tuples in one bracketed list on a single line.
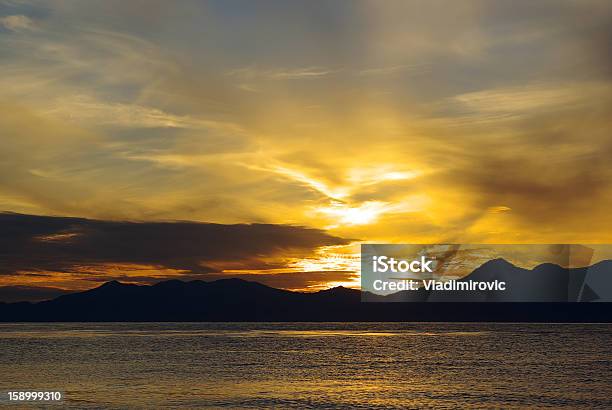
[(330, 258), (383, 173), (366, 213)]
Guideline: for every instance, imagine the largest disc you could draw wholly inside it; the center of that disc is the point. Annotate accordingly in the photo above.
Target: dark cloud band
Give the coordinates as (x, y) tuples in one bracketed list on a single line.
[(46, 243)]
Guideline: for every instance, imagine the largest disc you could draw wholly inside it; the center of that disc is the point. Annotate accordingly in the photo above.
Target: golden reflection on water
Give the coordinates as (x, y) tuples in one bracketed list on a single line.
[(311, 365), (91, 333)]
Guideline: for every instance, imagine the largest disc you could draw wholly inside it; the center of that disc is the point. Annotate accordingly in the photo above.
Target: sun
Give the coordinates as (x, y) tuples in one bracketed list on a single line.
[(363, 214)]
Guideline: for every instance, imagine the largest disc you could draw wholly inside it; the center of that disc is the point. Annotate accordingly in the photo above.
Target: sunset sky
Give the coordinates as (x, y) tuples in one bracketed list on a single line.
[(314, 125)]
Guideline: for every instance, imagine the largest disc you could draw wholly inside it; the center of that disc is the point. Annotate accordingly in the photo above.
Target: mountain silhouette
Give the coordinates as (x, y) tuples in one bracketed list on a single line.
[(30, 293), (240, 300)]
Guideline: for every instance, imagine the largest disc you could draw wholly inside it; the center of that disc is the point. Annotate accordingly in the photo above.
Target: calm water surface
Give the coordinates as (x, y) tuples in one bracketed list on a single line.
[(315, 365)]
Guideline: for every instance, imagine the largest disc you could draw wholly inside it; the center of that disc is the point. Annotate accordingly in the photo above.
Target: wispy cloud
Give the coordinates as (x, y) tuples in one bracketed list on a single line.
[(527, 98), (88, 110), (412, 69), (303, 73), (500, 106), (17, 23)]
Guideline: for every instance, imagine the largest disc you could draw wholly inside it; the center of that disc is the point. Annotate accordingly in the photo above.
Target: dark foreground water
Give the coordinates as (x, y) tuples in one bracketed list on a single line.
[(316, 365)]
